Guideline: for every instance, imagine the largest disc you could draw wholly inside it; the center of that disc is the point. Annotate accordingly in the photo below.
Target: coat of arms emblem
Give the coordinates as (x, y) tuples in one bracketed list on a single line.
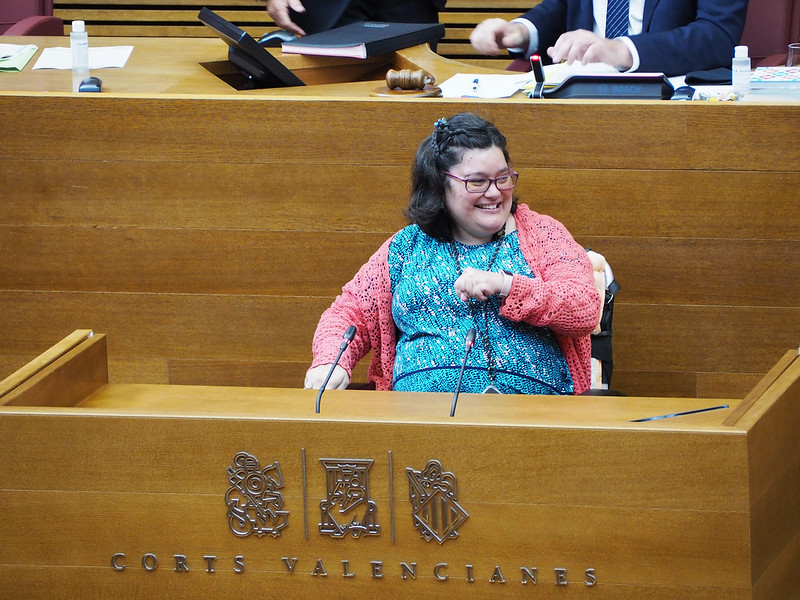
[(254, 500), (436, 513), (348, 507)]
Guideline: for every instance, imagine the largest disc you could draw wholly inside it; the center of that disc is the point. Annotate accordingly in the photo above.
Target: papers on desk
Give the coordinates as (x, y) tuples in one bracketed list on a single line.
[(99, 58), (14, 57), (557, 73), (465, 85), (486, 86)]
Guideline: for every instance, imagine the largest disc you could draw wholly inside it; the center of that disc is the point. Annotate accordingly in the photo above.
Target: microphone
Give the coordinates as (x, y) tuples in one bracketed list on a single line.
[(346, 339), (468, 344)]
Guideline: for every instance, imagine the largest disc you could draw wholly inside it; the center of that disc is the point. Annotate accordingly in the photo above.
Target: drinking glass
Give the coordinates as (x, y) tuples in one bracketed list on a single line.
[(793, 55)]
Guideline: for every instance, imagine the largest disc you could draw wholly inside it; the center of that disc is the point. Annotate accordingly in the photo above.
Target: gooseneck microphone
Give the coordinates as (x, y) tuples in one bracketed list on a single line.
[(346, 339), (468, 344)]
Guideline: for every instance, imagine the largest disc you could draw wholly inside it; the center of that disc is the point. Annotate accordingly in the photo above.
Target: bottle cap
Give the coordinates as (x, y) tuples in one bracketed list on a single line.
[(740, 52), (78, 26)]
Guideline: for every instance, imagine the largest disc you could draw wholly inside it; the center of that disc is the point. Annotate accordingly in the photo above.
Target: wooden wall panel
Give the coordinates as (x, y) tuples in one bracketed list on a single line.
[(152, 325), (219, 261), (220, 194), (672, 340), (688, 131), (204, 261), (227, 194), (205, 249)]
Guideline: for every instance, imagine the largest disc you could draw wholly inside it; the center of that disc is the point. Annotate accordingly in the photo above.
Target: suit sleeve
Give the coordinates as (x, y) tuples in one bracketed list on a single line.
[(681, 39), (550, 19)]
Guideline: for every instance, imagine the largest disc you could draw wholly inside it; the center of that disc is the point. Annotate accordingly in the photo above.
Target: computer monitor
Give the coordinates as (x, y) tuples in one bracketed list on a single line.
[(261, 69)]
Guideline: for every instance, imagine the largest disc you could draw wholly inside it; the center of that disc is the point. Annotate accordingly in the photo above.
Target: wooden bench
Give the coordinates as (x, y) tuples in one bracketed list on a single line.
[(153, 18)]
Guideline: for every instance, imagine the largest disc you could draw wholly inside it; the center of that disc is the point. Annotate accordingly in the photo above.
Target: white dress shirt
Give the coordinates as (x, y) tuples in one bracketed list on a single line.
[(635, 16)]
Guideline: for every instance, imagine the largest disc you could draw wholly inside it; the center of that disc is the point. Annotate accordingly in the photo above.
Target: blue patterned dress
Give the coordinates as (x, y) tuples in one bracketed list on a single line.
[(433, 321)]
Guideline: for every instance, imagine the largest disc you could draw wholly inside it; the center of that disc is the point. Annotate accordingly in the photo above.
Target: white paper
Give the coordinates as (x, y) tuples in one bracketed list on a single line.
[(465, 85), (555, 74), (99, 58), (11, 50)]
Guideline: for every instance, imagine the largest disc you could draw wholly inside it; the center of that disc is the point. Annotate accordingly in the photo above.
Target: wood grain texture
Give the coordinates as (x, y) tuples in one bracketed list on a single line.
[(154, 18), (44, 360), (67, 379), (572, 488), (175, 225), (774, 463)]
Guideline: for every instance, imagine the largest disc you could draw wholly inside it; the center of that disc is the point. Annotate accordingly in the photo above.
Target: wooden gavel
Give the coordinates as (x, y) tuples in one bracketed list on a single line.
[(406, 79)]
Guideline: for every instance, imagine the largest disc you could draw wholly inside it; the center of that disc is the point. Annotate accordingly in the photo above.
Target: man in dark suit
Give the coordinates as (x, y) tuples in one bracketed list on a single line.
[(664, 36), (345, 12)]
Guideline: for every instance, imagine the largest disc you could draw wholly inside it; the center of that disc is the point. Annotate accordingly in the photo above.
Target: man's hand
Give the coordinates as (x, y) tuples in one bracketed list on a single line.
[(279, 11), (494, 35), (586, 47)]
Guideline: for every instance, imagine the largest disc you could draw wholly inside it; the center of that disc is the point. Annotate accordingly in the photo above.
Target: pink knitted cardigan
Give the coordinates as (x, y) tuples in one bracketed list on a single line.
[(562, 297)]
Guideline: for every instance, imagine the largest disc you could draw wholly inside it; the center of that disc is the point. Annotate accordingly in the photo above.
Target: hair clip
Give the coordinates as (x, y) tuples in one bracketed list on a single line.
[(440, 123)]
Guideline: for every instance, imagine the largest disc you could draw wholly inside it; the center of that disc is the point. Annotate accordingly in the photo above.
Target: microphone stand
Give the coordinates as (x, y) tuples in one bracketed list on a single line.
[(468, 344), (346, 339)]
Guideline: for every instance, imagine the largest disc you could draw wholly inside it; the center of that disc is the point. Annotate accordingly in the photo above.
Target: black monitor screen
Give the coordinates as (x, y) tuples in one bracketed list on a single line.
[(261, 68)]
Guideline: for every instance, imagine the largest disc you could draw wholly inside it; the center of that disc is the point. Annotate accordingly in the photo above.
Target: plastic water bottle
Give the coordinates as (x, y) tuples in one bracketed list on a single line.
[(740, 68), (79, 44)]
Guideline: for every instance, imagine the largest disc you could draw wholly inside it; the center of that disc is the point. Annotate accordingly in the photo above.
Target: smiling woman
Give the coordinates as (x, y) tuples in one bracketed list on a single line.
[(471, 260)]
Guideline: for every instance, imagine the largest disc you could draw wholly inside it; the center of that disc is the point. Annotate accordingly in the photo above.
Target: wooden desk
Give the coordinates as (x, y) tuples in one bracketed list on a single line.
[(168, 66), (136, 18), (124, 490), (206, 229)]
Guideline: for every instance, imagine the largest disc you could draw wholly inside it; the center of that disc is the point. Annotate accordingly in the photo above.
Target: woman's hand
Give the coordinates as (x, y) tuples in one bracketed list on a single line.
[(316, 375), (479, 285)]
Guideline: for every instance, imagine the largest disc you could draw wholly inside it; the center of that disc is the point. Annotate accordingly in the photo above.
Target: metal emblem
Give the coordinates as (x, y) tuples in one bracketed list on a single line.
[(254, 502), (348, 508), (435, 513)]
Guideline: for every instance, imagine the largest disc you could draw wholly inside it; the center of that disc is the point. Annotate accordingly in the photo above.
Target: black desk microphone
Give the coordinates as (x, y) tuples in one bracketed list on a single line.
[(468, 344), (346, 339)]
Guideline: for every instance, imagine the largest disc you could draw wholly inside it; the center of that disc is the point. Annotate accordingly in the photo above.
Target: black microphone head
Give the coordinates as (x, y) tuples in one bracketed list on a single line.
[(470, 341), (350, 333)]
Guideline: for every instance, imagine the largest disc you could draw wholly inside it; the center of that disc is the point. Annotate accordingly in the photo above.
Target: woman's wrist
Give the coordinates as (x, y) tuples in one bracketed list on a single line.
[(505, 288)]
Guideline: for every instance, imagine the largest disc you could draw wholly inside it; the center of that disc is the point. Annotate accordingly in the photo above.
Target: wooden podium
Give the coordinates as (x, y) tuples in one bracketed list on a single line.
[(149, 491)]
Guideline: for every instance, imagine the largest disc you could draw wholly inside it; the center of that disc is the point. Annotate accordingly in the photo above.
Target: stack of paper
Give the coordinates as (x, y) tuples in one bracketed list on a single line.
[(465, 85), (14, 57), (557, 73)]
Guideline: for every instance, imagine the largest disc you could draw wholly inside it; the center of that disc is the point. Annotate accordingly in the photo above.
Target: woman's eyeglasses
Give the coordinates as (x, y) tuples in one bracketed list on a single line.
[(481, 184)]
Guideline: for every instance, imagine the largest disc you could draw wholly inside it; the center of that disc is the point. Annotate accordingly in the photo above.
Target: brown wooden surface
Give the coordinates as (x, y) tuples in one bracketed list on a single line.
[(55, 352), (775, 485), (685, 507), (155, 18), (206, 232), (199, 66), (77, 373)]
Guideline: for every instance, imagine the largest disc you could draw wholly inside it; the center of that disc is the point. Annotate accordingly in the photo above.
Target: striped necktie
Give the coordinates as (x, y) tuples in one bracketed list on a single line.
[(616, 18)]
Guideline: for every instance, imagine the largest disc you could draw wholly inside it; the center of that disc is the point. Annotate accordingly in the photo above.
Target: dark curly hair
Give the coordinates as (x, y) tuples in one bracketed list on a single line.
[(438, 153)]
